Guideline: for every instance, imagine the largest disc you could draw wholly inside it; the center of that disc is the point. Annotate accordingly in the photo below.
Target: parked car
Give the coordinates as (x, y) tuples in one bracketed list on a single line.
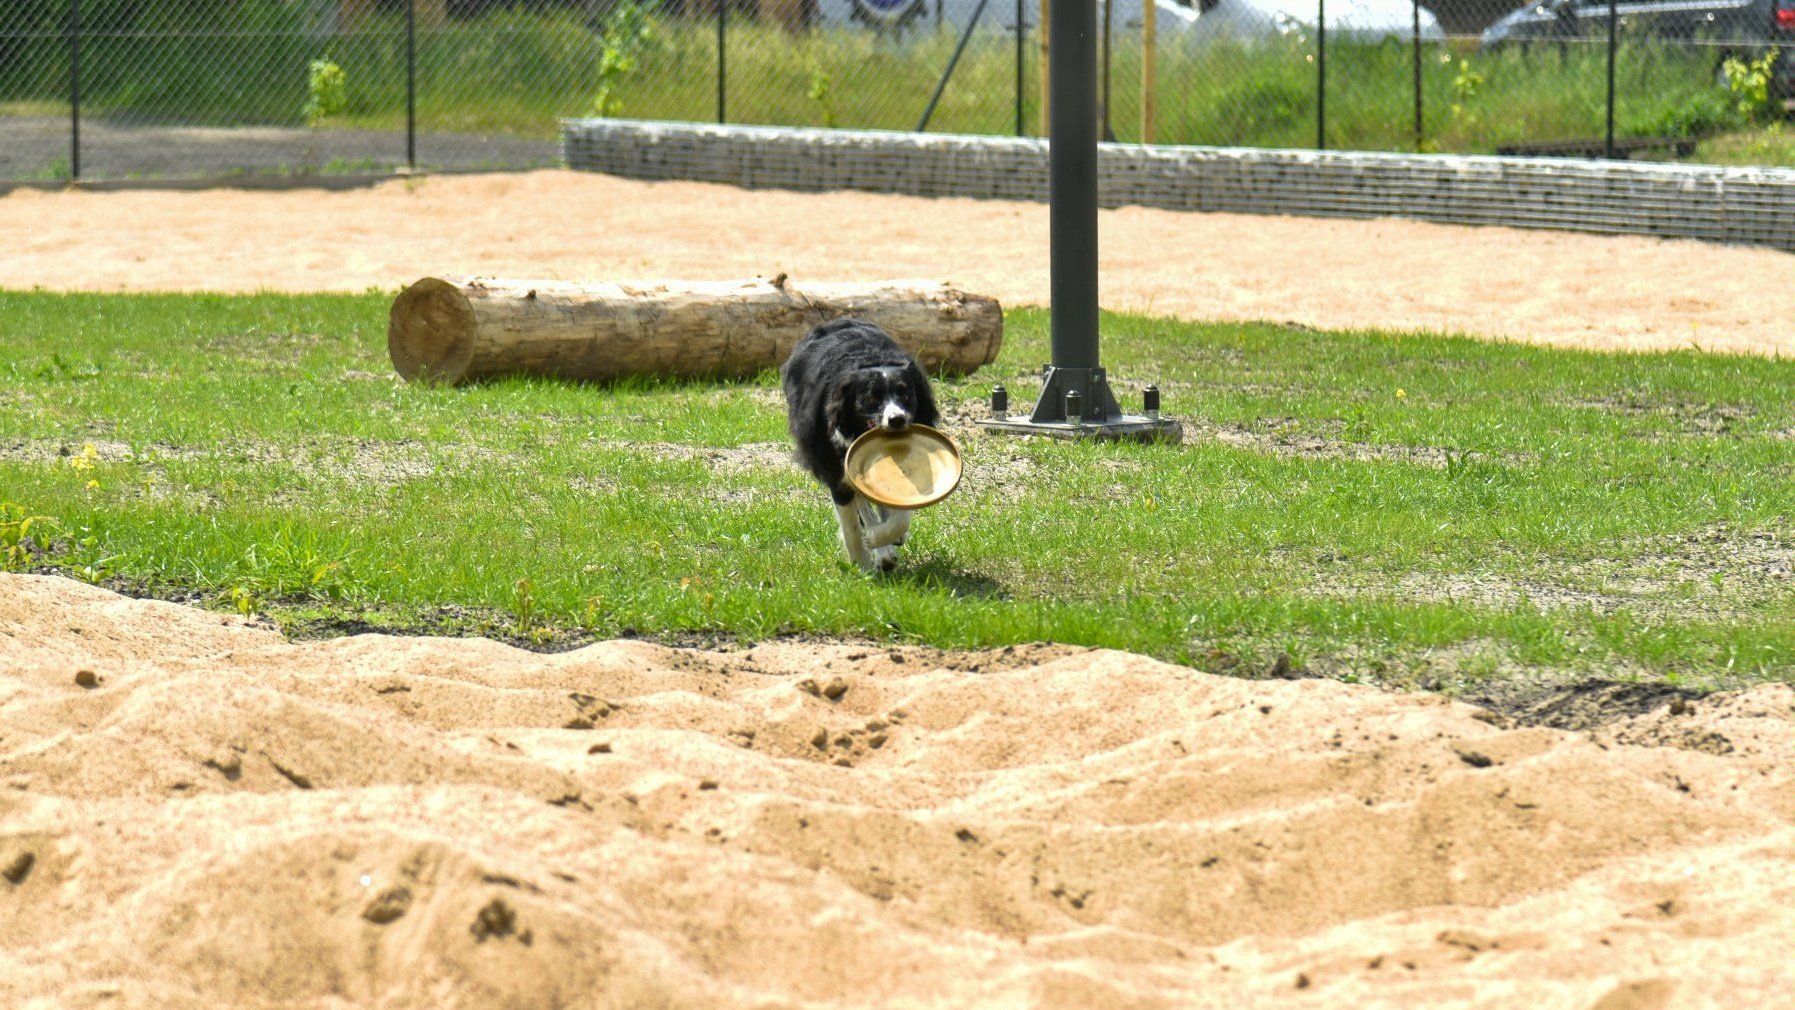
[(1246, 20), (1186, 20), (1731, 28)]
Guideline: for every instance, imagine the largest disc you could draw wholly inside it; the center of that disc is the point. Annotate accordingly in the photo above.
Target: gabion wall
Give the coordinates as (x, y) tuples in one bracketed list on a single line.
[(1751, 206)]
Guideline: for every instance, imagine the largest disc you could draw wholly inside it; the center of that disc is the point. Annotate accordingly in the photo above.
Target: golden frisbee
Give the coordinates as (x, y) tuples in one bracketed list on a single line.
[(907, 469)]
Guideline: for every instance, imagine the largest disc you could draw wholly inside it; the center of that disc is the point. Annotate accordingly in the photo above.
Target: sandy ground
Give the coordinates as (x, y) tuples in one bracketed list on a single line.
[(196, 812), (1558, 288), (224, 818)]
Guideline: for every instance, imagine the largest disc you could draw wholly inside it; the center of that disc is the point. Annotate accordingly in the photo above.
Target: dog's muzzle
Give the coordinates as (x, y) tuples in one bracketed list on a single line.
[(895, 418)]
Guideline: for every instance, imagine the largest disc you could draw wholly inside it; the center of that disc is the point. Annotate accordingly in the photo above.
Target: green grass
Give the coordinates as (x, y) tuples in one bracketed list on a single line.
[(517, 73), (1400, 509)]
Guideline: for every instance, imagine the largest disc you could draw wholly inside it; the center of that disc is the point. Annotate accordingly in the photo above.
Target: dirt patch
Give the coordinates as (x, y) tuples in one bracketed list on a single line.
[(383, 819), (1709, 420), (1285, 437), (1718, 573), (1608, 292), (362, 459)]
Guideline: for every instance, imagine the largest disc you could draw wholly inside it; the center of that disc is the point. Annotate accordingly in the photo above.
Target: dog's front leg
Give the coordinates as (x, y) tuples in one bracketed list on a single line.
[(888, 528), (848, 515)]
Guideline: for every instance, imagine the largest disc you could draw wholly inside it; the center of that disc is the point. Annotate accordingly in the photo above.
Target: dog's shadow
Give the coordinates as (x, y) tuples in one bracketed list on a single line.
[(936, 575)]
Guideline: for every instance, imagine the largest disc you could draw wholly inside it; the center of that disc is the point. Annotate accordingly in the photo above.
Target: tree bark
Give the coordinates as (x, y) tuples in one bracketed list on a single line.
[(454, 331)]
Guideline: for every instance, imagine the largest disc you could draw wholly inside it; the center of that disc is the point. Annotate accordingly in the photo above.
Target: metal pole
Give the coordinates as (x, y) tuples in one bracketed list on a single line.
[(411, 84), (74, 90), (1609, 148), (1018, 68), (1321, 74), (1415, 6), (1075, 399), (722, 60), (1072, 157), (952, 62)]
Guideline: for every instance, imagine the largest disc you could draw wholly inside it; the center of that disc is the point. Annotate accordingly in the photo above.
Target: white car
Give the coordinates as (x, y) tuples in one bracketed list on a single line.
[(1196, 21)]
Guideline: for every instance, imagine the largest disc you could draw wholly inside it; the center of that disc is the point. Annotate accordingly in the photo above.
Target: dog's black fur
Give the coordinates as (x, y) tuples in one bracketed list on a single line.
[(837, 384)]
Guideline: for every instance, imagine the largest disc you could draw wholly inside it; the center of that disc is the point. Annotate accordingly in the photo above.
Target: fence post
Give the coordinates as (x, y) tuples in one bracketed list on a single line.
[(1415, 12), (1609, 147), (1018, 68), (1107, 133), (1321, 74), (722, 60), (1149, 68), (411, 84), (952, 62), (1046, 33), (74, 90)]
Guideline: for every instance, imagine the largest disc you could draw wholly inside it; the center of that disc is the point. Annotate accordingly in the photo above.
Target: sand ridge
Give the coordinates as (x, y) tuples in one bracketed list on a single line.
[(1562, 288), (224, 817)]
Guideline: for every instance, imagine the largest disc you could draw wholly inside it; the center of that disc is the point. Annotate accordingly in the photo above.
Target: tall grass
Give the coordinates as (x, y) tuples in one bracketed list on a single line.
[(518, 73)]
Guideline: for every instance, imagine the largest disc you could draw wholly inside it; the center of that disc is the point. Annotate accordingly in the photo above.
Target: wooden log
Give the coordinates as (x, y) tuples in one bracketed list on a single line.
[(453, 331)]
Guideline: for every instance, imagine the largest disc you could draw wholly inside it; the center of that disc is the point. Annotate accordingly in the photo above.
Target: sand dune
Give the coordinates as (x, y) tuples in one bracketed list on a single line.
[(226, 818)]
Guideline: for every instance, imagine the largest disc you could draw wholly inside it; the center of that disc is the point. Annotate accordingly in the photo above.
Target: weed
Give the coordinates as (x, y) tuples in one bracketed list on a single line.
[(244, 600), (523, 605), (1457, 463), (1465, 87), (630, 34), (327, 92), (89, 560), (1749, 81), (54, 171), (820, 93), (292, 566), (22, 535), (61, 369), (83, 460)]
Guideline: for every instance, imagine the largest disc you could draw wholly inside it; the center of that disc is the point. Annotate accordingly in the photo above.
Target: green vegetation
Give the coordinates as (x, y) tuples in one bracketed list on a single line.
[(327, 90), (515, 72), (1400, 509)]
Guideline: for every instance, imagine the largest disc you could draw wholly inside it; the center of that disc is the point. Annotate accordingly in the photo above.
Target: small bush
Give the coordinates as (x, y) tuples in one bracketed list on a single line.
[(327, 90)]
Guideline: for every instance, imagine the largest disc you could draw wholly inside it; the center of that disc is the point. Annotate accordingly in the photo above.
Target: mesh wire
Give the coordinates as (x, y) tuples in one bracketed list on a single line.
[(218, 88)]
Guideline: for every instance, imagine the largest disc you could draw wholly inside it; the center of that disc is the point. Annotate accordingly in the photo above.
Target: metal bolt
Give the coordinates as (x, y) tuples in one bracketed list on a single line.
[(1150, 402), (1074, 407), (1000, 402)]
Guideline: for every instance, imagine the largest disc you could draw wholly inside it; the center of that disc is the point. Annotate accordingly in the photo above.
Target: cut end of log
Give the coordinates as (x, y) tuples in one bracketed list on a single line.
[(430, 332)]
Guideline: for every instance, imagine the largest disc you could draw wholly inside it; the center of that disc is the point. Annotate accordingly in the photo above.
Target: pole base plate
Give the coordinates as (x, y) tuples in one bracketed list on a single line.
[(1121, 428)]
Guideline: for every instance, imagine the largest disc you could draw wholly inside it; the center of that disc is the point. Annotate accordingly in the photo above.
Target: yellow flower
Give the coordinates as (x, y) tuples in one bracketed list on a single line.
[(92, 484), (1402, 394), (85, 461)]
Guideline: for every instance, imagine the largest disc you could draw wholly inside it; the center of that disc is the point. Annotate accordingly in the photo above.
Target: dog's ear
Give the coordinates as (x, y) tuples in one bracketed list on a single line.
[(839, 404), (925, 411)]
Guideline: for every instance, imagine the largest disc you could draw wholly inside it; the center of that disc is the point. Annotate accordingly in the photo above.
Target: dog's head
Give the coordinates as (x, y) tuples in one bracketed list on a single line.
[(889, 397)]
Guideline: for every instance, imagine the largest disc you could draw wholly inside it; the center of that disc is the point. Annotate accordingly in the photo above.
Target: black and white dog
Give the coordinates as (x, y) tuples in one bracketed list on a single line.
[(844, 378)]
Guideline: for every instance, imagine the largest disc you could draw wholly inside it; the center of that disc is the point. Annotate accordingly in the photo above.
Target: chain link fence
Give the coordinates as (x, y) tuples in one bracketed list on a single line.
[(120, 89)]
